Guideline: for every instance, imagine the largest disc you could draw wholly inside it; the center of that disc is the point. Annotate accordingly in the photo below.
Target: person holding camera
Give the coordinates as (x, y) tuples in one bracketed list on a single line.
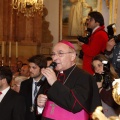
[(112, 52), (104, 76), (97, 41)]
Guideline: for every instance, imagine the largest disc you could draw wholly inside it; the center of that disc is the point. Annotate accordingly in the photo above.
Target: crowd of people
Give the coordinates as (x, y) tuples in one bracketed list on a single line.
[(99, 49), (39, 91)]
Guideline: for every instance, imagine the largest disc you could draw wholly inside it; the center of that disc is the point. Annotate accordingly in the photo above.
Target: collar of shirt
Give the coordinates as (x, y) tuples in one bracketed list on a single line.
[(34, 80), (4, 93), (5, 90), (95, 29), (34, 84), (61, 71)]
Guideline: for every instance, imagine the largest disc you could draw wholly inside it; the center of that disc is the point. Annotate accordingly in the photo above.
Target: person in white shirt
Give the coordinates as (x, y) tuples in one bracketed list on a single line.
[(12, 105), (28, 88)]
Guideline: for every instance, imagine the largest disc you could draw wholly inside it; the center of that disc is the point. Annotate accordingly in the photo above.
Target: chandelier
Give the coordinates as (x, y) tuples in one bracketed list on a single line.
[(28, 7)]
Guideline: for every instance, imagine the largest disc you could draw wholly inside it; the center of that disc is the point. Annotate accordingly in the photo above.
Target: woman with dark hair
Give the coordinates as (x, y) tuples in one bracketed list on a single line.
[(104, 75)]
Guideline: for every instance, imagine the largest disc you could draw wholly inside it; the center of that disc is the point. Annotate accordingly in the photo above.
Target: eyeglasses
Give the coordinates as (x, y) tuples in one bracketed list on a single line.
[(60, 54)]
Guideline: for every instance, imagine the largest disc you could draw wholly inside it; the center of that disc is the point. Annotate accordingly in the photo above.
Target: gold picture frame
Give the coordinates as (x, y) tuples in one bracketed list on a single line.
[(65, 10)]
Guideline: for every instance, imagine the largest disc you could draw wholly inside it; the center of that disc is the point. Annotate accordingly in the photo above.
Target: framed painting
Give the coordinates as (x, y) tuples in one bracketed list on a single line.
[(73, 16)]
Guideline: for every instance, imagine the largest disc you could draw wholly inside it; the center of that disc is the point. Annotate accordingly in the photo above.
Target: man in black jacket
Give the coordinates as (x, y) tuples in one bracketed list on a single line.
[(28, 87), (12, 105)]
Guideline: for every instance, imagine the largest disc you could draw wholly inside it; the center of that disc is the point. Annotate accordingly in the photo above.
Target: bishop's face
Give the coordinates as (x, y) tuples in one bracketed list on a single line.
[(63, 55)]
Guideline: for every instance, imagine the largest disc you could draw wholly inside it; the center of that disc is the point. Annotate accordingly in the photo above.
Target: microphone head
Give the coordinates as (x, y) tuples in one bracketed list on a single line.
[(53, 64)]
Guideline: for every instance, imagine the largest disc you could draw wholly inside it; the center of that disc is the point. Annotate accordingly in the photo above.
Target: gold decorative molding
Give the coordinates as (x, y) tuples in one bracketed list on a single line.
[(46, 34)]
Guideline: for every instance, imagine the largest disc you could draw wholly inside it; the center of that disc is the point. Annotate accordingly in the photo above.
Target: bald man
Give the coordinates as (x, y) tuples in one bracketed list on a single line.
[(25, 71)]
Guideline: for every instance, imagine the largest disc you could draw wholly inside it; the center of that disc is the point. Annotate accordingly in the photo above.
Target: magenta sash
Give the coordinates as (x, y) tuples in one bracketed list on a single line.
[(55, 112)]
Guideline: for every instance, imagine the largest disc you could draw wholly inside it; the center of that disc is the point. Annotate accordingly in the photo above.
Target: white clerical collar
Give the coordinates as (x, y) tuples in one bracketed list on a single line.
[(61, 71), (95, 29)]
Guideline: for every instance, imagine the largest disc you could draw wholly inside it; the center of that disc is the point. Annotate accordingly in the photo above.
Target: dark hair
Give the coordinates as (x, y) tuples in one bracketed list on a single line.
[(97, 16), (101, 58), (49, 58), (5, 72), (24, 64), (39, 60)]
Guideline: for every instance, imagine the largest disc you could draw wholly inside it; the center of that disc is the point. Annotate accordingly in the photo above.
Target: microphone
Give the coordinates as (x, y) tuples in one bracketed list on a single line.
[(52, 66)]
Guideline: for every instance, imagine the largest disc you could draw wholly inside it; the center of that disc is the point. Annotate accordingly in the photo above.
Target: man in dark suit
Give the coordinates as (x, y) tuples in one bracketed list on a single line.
[(28, 88), (12, 105)]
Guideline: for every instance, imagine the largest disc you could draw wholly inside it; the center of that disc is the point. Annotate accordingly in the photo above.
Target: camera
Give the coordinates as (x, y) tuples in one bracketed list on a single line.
[(105, 76), (85, 39), (107, 81), (111, 29)]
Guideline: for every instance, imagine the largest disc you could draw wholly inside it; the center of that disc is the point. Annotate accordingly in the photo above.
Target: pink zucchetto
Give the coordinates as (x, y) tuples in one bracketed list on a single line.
[(68, 43)]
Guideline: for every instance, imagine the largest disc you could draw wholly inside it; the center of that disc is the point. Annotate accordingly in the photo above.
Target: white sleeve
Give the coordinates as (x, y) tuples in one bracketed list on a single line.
[(40, 110)]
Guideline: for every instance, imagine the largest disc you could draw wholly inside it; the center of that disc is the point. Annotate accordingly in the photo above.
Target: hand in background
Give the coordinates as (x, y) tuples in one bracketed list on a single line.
[(80, 43), (110, 44)]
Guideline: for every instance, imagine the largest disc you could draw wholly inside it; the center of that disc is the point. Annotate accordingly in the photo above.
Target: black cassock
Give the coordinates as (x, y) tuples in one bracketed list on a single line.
[(78, 90)]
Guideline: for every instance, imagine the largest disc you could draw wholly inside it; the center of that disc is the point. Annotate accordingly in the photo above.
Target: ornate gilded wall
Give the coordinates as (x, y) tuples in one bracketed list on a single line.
[(32, 34)]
